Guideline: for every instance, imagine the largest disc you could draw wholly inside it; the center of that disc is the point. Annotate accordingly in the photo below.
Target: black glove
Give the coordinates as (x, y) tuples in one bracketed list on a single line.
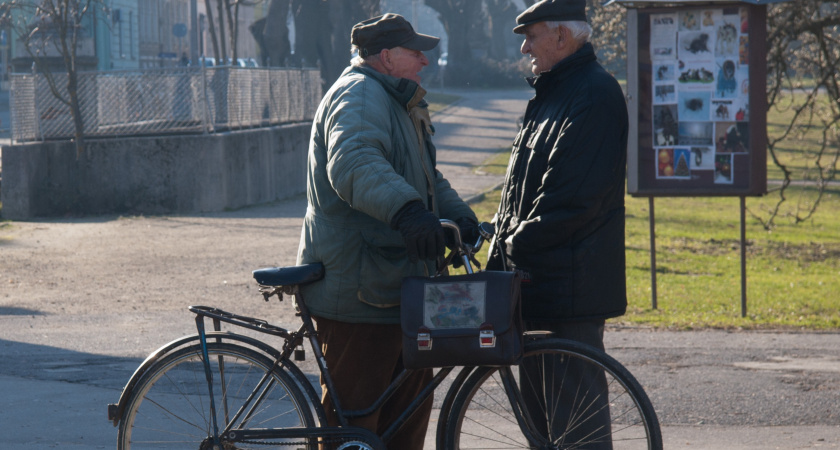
[(421, 230), (469, 230)]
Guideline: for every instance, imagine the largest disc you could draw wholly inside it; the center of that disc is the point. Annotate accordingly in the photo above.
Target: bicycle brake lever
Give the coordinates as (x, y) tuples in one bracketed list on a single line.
[(475, 261)]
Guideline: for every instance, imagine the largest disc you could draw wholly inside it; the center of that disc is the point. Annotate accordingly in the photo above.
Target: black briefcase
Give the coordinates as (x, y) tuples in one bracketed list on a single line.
[(462, 320)]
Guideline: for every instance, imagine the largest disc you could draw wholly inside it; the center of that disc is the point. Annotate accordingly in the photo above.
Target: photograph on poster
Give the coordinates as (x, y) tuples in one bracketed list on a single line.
[(665, 124), (742, 110), (664, 162), (695, 45), (745, 25), (723, 110), (726, 38), (695, 133), (744, 49), (702, 158), (727, 79), (664, 93), (665, 71), (689, 20), (743, 75), (711, 18), (694, 105), (723, 169), (696, 73), (732, 137), (727, 110), (673, 163), (682, 163)]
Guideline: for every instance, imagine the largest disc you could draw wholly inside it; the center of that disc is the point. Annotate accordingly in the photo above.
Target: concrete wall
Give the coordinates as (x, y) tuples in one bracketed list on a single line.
[(155, 175)]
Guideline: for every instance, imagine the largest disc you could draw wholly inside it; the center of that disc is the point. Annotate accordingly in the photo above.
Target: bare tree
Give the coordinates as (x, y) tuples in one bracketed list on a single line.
[(272, 34), (224, 34), (212, 28), (327, 42), (501, 16), (455, 16), (52, 30), (803, 68)]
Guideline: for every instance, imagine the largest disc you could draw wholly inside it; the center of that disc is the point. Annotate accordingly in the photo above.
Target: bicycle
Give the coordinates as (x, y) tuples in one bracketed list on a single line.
[(222, 390)]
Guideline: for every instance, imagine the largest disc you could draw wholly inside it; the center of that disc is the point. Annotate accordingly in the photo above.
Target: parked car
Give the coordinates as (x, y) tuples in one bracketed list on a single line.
[(242, 62), (206, 61)]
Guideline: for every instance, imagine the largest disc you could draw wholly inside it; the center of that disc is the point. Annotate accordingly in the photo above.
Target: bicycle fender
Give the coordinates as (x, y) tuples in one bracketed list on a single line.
[(115, 410)]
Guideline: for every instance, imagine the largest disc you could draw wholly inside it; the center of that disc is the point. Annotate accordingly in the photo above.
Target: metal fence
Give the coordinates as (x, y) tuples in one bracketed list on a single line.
[(164, 101)]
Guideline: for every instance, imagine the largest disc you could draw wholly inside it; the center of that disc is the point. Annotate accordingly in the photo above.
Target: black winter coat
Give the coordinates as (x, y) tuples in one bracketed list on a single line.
[(563, 198)]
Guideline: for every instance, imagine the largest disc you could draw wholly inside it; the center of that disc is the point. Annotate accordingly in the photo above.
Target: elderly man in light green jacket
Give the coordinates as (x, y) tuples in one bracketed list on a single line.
[(374, 203)]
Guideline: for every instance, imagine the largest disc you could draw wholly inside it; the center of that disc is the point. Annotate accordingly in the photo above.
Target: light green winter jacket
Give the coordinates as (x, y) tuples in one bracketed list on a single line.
[(366, 162)]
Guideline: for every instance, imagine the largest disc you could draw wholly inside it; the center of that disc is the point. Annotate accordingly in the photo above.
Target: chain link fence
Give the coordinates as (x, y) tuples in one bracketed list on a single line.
[(163, 101)]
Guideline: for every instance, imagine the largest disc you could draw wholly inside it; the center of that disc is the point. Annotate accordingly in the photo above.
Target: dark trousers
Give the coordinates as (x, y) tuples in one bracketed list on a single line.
[(363, 359), (548, 405)]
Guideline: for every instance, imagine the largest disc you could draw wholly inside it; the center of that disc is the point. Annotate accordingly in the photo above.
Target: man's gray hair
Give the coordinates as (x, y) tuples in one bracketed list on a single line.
[(580, 30), (356, 60)]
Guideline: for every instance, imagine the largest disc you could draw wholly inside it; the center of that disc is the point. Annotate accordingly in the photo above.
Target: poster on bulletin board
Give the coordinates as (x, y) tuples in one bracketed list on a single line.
[(701, 128)]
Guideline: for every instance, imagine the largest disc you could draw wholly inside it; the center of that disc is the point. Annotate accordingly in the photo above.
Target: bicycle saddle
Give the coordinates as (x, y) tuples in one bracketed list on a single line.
[(287, 276)]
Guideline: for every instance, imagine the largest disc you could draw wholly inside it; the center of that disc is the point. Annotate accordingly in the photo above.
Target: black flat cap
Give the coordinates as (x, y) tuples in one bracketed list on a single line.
[(386, 32), (551, 10)]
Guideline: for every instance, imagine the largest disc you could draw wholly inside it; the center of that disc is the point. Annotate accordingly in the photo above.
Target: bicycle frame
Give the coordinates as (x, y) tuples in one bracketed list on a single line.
[(291, 341)]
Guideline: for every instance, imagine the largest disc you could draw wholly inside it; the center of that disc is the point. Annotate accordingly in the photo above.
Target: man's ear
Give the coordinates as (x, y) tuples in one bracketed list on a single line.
[(562, 36), (385, 59)]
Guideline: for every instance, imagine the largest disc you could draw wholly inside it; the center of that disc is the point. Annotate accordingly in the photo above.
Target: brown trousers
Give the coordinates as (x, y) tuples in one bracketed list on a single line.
[(363, 359)]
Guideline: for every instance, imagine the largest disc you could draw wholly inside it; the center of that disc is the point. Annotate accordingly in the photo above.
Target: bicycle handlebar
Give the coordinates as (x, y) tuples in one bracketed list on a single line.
[(463, 250)]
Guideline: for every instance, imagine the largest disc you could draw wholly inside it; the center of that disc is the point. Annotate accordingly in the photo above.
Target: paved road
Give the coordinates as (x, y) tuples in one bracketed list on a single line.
[(82, 301)]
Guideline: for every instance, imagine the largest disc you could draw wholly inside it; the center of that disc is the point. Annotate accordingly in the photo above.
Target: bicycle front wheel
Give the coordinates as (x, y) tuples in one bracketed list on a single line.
[(564, 395), (170, 405)]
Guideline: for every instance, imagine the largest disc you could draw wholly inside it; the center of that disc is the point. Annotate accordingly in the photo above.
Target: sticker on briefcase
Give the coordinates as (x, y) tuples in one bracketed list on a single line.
[(454, 305)]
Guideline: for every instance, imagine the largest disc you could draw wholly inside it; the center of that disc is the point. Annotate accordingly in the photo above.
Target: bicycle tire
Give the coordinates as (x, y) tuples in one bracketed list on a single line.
[(487, 415), (170, 405)]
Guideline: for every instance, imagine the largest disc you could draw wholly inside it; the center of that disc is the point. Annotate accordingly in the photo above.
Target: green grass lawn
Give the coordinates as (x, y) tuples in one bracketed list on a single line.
[(793, 272)]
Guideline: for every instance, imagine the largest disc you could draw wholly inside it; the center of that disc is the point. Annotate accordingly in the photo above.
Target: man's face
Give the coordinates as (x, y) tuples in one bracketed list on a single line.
[(406, 63), (541, 44)]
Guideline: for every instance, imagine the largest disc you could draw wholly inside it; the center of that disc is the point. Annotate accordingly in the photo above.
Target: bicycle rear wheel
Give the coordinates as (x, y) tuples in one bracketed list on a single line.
[(548, 407), (170, 405)]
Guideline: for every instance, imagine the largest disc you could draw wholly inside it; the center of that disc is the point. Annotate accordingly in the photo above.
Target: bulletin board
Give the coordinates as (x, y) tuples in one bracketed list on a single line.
[(696, 92)]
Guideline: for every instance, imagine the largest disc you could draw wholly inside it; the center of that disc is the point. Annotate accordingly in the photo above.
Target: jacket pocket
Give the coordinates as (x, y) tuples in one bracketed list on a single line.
[(382, 266)]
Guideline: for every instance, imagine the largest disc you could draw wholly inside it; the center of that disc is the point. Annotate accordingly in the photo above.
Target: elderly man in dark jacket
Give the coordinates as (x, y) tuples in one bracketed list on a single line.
[(561, 217)]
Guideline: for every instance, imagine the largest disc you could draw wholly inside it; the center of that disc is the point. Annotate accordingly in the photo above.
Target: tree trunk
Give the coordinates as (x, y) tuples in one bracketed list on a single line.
[(454, 16), (221, 8), (502, 19), (212, 27), (328, 42)]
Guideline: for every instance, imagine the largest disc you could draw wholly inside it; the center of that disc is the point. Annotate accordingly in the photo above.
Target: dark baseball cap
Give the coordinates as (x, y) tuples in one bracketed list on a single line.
[(386, 32), (551, 10)]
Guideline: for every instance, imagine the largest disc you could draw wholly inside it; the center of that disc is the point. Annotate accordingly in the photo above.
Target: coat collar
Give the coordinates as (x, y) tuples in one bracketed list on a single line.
[(405, 91), (584, 55)]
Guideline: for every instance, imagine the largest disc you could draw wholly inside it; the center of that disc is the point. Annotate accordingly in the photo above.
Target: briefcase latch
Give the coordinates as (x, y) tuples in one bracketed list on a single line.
[(486, 336), (424, 339)]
